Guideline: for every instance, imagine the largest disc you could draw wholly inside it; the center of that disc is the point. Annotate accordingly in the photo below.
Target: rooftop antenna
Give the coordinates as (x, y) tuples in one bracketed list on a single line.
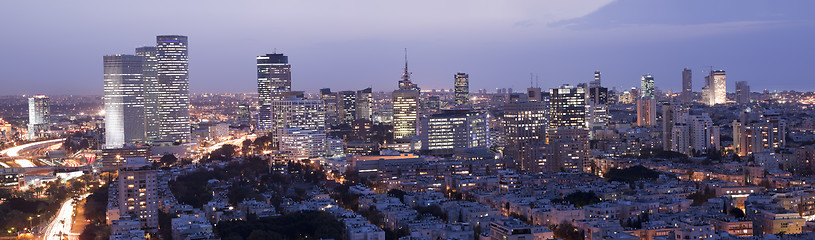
[(406, 75), (530, 80), (274, 51), (537, 83)]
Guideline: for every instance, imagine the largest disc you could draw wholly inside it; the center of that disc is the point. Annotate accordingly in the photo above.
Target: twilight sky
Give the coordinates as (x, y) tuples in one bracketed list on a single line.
[(56, 47)]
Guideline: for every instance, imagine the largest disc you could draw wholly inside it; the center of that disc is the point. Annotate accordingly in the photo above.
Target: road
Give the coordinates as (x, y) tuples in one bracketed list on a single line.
[(61, 225), (237, 142), (15, 151)]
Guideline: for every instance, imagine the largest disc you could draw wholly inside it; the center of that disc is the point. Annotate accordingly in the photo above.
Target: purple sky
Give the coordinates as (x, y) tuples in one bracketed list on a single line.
[(56, 47)]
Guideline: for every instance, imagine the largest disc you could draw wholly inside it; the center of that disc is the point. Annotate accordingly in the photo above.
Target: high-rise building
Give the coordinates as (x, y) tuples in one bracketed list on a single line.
[(597, 117), (244, 114), (754, 134), (596, 82), (39, 112), (302, 143), (332, 114), (172, 74), (647, 86), (523, 123), (124, 100), (365, 102), (715, 90), (137, 195), (646, 112), (567, 107), (462, 87), (668, 119), (742, 92), (570, 148), (274, 76), (405, 106), (296, 112), (687, 86), (694, 134), (720, 86), (347, 106), (646, 103), (405, 113), (597, 93), (451, 129), (405, 83), (151, 91)]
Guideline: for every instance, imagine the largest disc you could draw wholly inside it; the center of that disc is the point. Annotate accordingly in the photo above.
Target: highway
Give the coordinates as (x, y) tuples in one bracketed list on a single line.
[(237, 142), (61, 225), (15, 151)]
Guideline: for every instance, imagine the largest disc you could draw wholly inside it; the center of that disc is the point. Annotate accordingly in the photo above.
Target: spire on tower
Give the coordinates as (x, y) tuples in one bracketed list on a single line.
[(405, 83), (406, 74)]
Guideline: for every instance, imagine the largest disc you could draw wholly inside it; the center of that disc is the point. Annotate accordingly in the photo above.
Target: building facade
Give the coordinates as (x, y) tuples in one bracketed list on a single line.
[(405, 113), (452, 129), (462, 89), (274, 75), (567, 106), (124, 100), (39, 112), (172, 72)]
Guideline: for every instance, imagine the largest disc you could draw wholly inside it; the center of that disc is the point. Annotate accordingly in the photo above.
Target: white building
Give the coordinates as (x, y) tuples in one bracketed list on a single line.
[(124, 100), (302, 143), (39, 111), (454, 129), (294, 112)]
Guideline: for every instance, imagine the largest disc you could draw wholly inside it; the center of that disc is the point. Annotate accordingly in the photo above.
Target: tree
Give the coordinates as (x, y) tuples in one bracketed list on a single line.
[(246, 146), (567, 231), (580, 199), (168, 160), (631, 174), (735, 212)]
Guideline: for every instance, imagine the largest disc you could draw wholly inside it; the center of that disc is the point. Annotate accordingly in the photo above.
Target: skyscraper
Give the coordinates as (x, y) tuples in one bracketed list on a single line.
[(405, 113), (274, 75), (39, 111), (330, 104), (405, 83), (596, 107), (462, 86), (647, 86), (365, 102), (646, 103), (596, 82), (719, 80), (124, 100), (172, 67), (568, 107), (347, 106), (405, 106), (524, 123), (715, 91), (742, 92), (151, 91), (687, 86)]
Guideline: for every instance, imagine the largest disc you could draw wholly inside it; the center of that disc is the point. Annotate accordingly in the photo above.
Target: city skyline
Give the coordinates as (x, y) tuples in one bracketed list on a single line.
[(561, 47)]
